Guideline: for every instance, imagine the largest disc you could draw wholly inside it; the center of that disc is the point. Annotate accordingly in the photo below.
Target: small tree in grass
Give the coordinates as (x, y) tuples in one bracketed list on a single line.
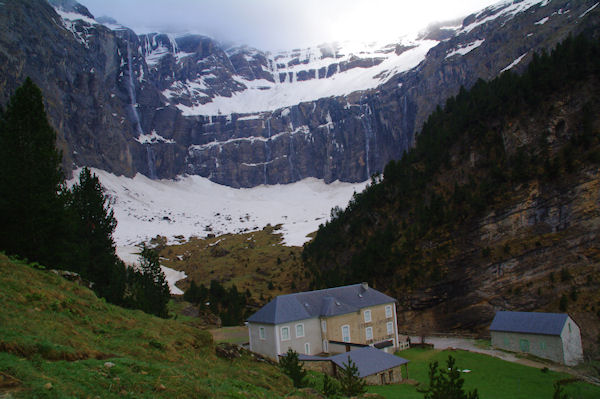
[(292, 368), (350, 380), (331, 387), (447, 384)]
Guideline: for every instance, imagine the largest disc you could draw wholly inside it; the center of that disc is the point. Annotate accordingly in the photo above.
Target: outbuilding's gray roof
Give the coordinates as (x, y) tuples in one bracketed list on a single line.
[(529, 322), (368, 360), (321, 303)]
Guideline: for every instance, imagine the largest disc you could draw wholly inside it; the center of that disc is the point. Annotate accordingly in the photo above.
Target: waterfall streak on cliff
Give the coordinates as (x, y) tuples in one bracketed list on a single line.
[(365, 119)]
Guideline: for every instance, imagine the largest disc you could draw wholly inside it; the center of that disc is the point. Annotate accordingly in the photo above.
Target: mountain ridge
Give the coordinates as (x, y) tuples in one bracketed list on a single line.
[(110, 109)]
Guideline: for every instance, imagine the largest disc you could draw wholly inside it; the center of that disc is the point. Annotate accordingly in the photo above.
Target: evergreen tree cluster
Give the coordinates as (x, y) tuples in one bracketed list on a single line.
[(228, 303), (43, 221), (381, 232)]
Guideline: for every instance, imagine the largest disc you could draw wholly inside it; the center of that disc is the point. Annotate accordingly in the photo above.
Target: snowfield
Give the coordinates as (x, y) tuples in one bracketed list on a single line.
[(195, 206)]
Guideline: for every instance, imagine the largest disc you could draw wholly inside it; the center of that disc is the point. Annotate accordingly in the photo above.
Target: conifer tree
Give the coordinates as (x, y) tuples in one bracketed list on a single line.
[(350, 381), (155, 293), (292, 368), (31, 209), (447, 384), (93, 249)]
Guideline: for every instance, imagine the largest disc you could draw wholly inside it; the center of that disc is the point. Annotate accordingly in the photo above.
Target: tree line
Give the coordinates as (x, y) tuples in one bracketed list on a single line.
[(228, 303), (43, 221)]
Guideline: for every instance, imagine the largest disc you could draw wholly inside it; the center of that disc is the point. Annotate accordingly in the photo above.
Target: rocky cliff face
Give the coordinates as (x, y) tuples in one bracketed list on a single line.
[(164, 105)]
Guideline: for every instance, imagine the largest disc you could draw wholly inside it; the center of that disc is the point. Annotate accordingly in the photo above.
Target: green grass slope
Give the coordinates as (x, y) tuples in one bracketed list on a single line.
[(56, 338), (252, 261), (493, 378)]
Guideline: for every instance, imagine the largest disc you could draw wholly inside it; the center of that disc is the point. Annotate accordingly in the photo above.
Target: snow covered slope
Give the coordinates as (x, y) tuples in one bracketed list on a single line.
[(195, 206), (306, 75)]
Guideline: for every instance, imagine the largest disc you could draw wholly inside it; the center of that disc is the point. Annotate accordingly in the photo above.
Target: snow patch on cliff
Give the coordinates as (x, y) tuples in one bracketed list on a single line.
[(263, 95)]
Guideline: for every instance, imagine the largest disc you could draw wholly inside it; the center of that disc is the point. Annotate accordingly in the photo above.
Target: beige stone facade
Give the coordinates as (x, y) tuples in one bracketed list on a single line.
[(381, 323)]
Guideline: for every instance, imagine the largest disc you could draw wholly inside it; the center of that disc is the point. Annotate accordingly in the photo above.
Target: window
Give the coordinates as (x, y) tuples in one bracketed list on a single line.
[(324, 325), (506, 342), (261, 333), (542, 345), (307, 348), (367, 316), (299, 330), (346, 333), (524, 344), (390, 327), (388, 311), (391, 374), (285, 333), (369, 333), (569, 327), (325, 346)]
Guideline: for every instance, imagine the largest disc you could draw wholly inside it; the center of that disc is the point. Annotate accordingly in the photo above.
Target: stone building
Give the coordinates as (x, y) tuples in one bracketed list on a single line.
[(553, 336), (375, 366), (325, 321)]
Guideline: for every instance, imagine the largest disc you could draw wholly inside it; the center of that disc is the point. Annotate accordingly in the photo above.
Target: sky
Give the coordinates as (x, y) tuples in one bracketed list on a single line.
[(284, 24)]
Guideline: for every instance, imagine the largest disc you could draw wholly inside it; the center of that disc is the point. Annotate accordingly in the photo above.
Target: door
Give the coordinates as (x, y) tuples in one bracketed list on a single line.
[(524, 344)]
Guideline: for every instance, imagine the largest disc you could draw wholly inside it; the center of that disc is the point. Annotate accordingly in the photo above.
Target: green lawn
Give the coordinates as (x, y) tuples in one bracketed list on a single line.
[(493, 378)]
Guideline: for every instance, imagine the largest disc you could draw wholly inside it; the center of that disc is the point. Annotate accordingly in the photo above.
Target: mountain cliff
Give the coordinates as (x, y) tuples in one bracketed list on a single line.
[(496, 208), (165, 105)]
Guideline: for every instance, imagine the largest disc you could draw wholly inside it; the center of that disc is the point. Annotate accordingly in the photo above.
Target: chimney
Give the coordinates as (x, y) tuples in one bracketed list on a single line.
[(365, 286)]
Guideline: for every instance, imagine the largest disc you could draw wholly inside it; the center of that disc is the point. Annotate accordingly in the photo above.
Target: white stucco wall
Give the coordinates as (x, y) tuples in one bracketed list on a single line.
[(571, 338), (267, 346), (312, 336)]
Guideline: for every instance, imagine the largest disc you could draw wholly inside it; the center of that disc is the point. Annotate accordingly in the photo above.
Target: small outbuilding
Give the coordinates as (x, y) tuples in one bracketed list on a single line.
[(375, 366), (553, 336)]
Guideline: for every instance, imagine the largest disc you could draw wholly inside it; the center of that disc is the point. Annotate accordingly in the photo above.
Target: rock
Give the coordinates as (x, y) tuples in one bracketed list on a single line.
[(48, 386), (228, 351), (109, 365), (161, 387)]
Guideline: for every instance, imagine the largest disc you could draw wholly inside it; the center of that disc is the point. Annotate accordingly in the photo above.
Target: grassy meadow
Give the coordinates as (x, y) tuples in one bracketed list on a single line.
[(494, 378)]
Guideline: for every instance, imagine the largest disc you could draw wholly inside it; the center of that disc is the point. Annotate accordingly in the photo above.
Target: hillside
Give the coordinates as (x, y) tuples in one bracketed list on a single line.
[(496, 208), (255, 262), (58, 340)]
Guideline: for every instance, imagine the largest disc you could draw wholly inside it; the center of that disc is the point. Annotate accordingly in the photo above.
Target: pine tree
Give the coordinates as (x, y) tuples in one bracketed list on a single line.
[(155, 293), (447, 384), (31, 209), (93, 249), (292, 368), (350, 380), (330, 387)]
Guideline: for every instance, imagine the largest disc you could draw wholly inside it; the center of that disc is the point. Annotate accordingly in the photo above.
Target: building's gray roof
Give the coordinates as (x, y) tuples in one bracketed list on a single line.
[(529, 322), (368, 360), (321, 303)]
